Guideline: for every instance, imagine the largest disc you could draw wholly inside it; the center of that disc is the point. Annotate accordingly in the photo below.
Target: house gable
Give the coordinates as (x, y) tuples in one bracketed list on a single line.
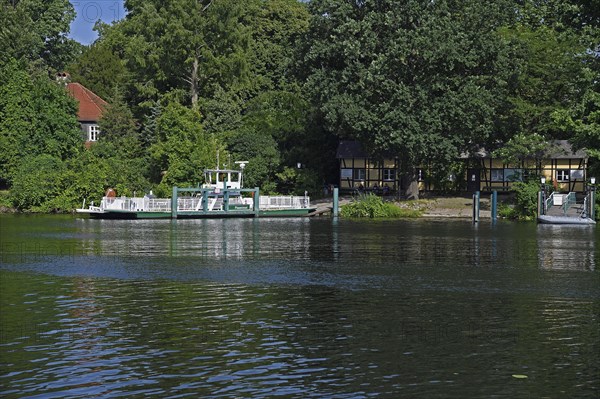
[(90, 105), (90, 109)]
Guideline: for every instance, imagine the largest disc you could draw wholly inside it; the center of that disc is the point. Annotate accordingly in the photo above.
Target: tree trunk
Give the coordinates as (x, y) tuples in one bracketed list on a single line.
[(412, 191), (194, 82)]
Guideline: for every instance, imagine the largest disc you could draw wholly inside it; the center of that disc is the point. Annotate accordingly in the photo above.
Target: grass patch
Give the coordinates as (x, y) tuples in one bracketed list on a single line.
[(372, 206)]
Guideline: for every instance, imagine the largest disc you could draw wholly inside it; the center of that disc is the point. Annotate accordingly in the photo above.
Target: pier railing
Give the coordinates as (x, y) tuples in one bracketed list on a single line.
[(283, 202), (194, 202), (137, 204)]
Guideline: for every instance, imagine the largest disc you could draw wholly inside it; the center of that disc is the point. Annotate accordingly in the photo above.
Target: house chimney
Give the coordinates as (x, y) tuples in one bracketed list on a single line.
[(63, 78)]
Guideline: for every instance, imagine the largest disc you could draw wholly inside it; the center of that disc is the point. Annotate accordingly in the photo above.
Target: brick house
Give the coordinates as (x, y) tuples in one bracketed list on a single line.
[(90, 109)]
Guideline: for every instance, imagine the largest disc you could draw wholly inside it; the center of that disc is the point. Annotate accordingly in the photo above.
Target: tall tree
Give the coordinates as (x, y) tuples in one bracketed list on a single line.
[(555, 90), (181, 150), (417, 79), (36, 117), (189, 45), (100, 70), (276, 27), (37, 30), (549, 76)]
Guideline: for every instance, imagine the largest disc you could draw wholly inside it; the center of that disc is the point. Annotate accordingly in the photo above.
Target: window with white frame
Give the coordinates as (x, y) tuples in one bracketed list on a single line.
[(93, 132), (421, 175), (562, 175), (389, 174), (360, 174)]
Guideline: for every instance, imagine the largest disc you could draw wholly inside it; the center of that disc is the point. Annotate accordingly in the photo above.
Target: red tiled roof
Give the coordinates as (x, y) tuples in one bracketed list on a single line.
[(90, 105)]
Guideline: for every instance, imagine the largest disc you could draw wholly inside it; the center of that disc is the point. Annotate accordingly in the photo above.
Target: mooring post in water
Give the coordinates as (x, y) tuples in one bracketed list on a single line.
[(476, 207), (225, 196), (256, 201), (494, 206), (205, 192), (336, 202), (174, 203), (592, 201)]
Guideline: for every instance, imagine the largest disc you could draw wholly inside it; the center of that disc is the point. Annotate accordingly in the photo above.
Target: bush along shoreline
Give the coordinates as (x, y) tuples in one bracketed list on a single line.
[(372, 206)]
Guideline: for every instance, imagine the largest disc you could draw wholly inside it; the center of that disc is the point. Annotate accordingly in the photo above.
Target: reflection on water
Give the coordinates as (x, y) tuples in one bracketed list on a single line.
[(567, 247), (297, 308)]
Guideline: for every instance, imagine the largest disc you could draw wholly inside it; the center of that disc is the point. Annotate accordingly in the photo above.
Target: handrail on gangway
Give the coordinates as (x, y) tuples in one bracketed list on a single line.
[(584, 210), (549, 202), (568, 201)]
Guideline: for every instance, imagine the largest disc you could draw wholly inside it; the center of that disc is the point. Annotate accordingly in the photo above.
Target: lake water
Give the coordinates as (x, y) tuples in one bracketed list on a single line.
[(300, 308)]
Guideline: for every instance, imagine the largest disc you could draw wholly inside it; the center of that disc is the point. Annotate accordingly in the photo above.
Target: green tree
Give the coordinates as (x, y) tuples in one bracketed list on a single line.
[(582, 122), (260, 150), (36, 117), (418, 79), (119, 127), (36, 181), (526, 194), (35, 30), (550, 76), (276, 133), (100, 70), (522, 148), (188, 45), (276, 28), (182, 150)]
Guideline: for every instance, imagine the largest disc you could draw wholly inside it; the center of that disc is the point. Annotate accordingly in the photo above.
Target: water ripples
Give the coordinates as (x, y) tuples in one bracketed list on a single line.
[(299, 309)]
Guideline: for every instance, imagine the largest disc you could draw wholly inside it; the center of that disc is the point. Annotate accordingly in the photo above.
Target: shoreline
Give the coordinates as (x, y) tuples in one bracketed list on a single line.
[(435, 207)]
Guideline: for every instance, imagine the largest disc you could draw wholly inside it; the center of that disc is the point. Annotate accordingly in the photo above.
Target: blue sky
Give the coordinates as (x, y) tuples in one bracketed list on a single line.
[(88, 12)]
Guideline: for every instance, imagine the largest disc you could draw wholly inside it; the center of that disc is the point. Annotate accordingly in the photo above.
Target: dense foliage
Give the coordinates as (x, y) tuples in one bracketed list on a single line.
[(277, 83), (419, 79), (372, 206)]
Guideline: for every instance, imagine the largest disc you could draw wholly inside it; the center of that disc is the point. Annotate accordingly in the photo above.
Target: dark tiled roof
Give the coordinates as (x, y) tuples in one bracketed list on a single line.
[(558, 149), (90, 105), (350, 149), (561, 149)]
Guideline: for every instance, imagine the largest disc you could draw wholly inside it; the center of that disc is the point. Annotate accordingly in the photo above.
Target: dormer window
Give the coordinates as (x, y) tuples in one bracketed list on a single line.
[(93, 132)]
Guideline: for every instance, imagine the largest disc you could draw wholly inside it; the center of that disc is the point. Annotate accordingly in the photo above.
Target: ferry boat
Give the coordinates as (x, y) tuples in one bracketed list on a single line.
[(222, 196)]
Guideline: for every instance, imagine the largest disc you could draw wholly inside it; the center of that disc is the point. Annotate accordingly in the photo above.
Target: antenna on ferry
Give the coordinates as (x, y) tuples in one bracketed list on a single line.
[(242, 166)]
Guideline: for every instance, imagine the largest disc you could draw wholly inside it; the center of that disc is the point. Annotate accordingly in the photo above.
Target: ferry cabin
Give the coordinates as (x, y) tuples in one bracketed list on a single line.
[(223, 178)]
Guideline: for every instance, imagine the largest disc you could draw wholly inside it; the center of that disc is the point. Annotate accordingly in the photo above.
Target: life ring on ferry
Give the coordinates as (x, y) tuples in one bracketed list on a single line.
[(110, 193)]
